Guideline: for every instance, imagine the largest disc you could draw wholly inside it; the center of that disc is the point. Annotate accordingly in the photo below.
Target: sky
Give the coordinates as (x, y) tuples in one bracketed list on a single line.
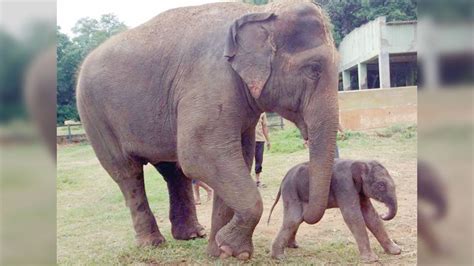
[(131, 12), (16, 16)]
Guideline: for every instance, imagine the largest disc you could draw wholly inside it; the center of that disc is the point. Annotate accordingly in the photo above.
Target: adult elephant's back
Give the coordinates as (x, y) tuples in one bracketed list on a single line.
[(129, 87)]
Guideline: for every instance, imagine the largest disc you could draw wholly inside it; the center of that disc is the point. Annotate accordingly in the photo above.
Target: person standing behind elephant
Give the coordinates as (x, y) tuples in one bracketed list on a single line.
[(197, 196), (261, 136)]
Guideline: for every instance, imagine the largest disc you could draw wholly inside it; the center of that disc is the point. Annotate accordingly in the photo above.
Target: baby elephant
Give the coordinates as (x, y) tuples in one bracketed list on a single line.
[(352, 184)]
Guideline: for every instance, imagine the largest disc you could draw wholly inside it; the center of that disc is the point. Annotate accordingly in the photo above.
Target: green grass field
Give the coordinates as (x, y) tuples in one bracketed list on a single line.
[(94, 226)]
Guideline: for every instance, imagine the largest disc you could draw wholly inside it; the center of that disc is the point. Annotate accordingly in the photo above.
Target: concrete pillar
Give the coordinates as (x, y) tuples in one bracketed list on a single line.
[(384, 69), (362, 75), (430, 72), (346, 80)]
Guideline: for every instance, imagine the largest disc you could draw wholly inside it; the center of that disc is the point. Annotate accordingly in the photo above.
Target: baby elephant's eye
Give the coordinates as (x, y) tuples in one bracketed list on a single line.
[(313, 70), (380, 186)]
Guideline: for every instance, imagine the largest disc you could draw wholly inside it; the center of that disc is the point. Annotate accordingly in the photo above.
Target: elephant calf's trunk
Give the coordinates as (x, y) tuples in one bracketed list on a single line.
[(392, 211)]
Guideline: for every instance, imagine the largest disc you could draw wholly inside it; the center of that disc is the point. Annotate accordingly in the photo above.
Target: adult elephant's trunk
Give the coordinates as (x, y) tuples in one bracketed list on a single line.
[(321, 118), (392, 209)]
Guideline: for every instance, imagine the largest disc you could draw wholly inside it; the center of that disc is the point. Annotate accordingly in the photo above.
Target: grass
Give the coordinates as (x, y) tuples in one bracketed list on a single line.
[(94, 226), (286, 141), (399, 130)]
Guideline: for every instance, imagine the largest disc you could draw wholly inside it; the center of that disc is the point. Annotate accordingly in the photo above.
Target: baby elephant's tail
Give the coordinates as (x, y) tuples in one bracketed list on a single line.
[(275, 203)]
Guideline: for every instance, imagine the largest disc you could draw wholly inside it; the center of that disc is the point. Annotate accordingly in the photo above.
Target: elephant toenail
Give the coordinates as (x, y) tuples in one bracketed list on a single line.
[(227, 250), (224, 255), (243, 256)]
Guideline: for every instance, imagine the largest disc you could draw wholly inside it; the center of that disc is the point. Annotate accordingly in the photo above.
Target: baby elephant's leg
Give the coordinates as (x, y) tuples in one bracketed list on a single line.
[(351, 211), (375, 225), (292, 242), (292, 218)]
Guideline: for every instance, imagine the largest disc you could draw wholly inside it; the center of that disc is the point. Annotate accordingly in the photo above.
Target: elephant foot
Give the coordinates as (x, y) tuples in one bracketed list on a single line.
[(278, 252), (281, 256), (235, 241), (393, 249), (187, 231), (212, 249), (369, 258), (278, 255), (292, 244), (154, 239)]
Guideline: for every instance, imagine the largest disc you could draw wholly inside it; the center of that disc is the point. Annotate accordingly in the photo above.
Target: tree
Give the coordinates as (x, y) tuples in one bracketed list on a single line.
[(69, 56), (89, 33), (13, 59), (346, 15)]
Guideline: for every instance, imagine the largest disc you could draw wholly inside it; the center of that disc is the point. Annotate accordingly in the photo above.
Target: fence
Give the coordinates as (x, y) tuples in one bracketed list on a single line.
[(74, 133), (71, 133), (275, 121)]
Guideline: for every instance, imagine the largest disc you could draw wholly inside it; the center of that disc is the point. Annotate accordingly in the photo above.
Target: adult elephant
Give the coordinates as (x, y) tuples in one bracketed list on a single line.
[(188, 86)]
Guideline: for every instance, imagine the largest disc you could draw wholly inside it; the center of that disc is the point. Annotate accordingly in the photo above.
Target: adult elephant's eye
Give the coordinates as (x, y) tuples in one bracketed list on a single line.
[(313, 71)]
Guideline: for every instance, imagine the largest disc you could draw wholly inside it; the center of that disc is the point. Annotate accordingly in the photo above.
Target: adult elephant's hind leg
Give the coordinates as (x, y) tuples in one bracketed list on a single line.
[(132, 185), (184, 222)]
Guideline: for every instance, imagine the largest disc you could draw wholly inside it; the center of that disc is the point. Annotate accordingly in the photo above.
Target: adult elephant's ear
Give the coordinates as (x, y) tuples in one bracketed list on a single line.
[(249, 50)]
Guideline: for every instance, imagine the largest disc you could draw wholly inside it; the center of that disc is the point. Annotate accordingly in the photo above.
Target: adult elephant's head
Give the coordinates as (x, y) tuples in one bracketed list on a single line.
[(287, 60)]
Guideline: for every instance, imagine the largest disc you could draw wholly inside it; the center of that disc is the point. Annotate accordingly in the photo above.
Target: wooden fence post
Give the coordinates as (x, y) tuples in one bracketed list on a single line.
[(69, 136)]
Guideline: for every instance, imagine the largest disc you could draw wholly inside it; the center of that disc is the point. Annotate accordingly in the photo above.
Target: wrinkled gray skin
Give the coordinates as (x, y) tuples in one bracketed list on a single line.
[(431, 191), (188, 87), (353, 183)]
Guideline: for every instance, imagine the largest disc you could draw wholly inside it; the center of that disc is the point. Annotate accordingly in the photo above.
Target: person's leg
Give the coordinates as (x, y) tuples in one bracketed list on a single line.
[(207, 188), (259, 146), (197, 196)]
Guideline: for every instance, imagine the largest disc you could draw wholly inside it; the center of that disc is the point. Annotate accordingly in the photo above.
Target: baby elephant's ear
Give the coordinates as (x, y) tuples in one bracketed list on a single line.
[(249, 50), (359, 172)]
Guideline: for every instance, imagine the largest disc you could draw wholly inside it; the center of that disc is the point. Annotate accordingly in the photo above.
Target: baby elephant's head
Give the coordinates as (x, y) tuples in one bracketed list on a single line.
[(376, 183)]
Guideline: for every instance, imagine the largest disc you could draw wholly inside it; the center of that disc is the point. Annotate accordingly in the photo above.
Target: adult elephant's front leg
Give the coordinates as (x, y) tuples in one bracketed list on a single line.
[(235, 238), (184, 222), (221, 213), (225, 170)]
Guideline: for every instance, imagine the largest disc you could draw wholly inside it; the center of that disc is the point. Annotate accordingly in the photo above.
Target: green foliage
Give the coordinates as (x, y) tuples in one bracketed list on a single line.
[(16, 52), (286, 141), (89, 33), (289, 140), (346, 15), (400, 130), (348, 135), (13, 60)]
